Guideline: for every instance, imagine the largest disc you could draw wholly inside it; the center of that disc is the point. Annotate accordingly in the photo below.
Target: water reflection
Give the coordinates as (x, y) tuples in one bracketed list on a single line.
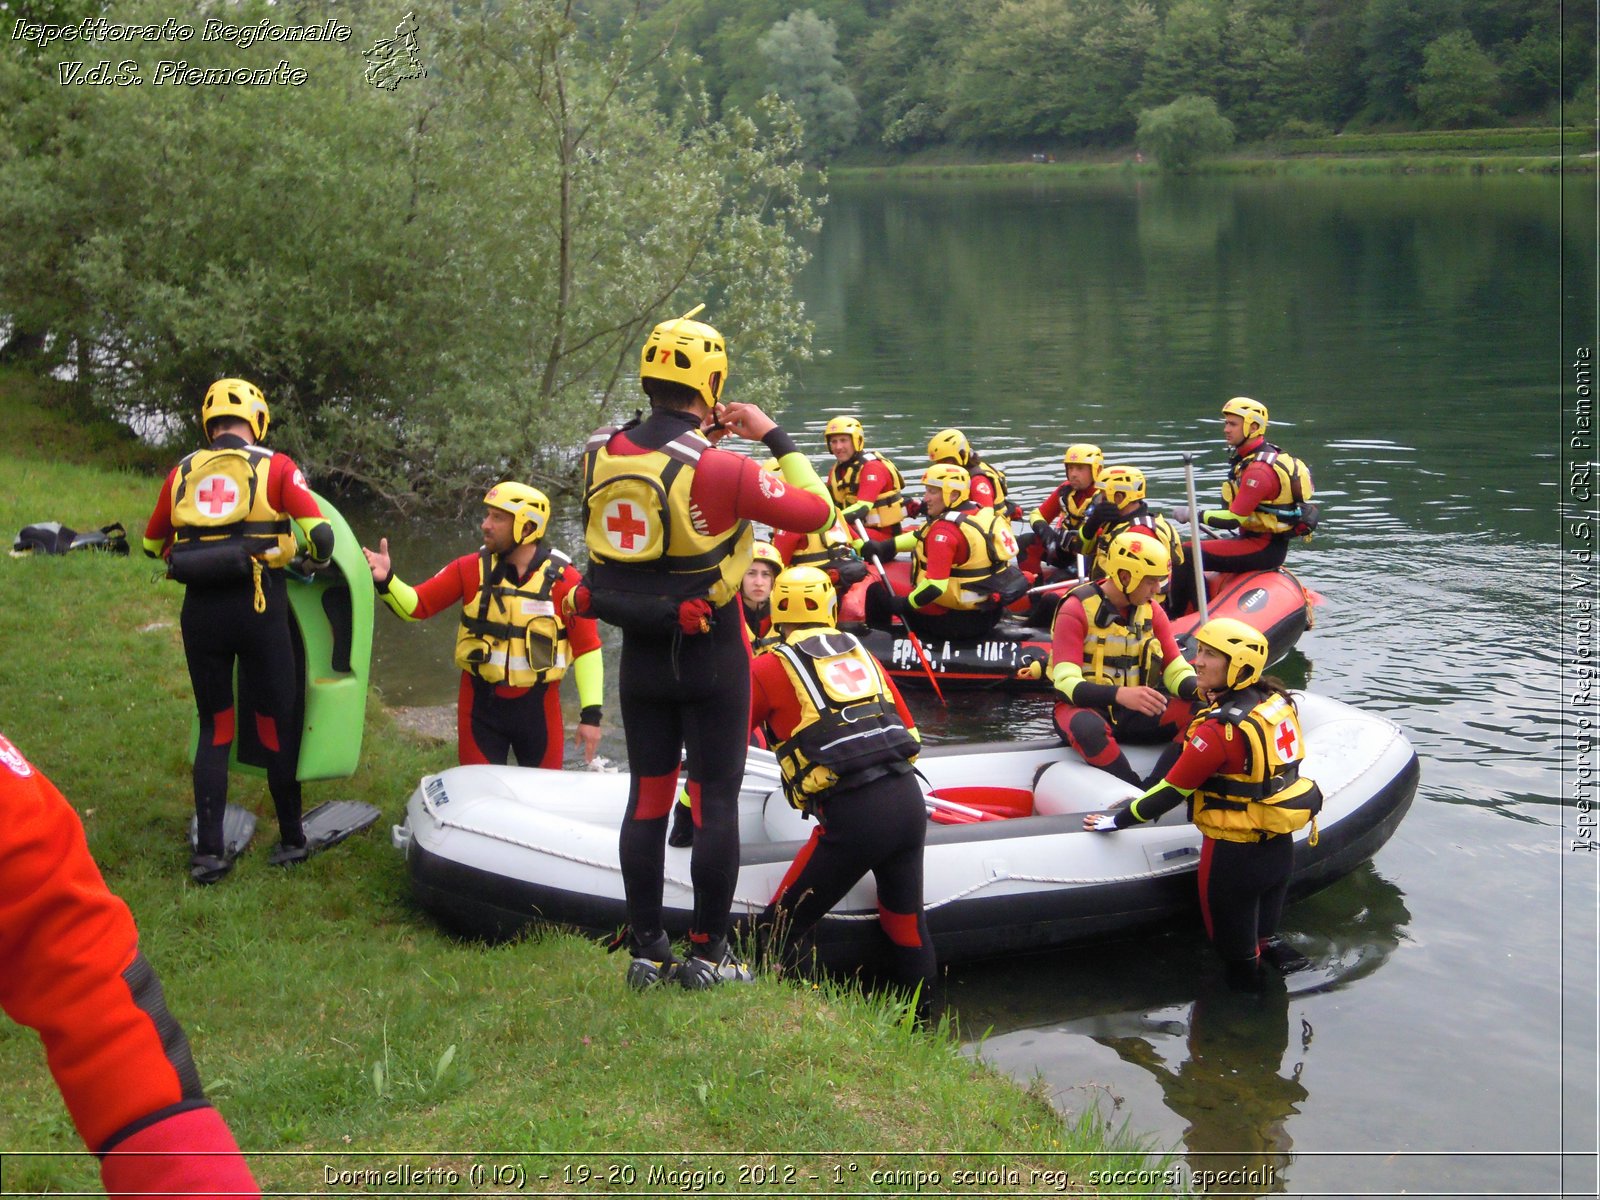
[(1231, 1070)]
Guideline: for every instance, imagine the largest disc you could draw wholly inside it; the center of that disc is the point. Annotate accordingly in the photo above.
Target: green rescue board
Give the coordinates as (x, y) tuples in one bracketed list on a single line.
[(331, 634)]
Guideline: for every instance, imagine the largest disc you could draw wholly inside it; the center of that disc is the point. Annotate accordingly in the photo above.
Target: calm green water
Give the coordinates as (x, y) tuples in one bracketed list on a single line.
[(1410, 337)]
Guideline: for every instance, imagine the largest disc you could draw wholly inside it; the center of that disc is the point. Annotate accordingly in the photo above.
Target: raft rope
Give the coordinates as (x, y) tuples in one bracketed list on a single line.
[(758, 905)]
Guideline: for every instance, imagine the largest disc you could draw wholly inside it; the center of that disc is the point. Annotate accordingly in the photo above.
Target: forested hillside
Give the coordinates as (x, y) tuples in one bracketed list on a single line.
[(902, 75)]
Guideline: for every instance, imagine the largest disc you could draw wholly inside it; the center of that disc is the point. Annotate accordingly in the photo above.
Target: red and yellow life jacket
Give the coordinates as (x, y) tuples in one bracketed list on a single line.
[(1120, 650), (1269, 796), (844, 481), (639, 525), (220, 495), (1283, 514), (991, 549), (509, 632)]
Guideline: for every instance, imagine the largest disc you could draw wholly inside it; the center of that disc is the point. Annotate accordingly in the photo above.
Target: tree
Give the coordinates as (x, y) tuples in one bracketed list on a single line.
[(1183, 132), (801, 53), (1459, 82), (437, 284)]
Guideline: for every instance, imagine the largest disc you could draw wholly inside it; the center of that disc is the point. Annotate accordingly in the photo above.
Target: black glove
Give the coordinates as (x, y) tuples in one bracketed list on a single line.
[(875, 550)]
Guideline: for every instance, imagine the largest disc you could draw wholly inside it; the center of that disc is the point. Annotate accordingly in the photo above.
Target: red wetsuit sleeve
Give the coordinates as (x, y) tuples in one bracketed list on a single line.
[(875, 480), (1258, 484), (982, 491), (772, 699), (1050, 510), (786, 543), (159, 527), (1067, 634), (66, 942), (1209, 751), (946, 548), (729, 487), (287, 490), (458, 581), (583, 633)]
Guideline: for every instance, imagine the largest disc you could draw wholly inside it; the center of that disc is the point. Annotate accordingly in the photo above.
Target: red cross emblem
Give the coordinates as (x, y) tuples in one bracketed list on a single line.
[(847, 677), (1288, 741), (624, 526), (217, 495)]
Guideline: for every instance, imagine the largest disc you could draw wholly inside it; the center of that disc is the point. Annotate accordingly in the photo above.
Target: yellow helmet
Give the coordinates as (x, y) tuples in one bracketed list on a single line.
[(236, 398), (953, 482), (1122, 485), (950, 445), (528, 506), (1245, 646), (803, 596), (1252, 412), (1138, 556), (686, 352), (766, 552), (846, 425), (1084, 452)]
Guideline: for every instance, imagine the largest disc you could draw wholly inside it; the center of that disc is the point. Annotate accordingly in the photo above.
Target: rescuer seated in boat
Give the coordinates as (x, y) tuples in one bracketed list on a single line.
[(1052, 543), (1114, 662), (845, 743), (516, 640), (1266, 501), (964, 568), (828, 550), (1123, 509), (1239, 771), (867, 488), (950, 447)]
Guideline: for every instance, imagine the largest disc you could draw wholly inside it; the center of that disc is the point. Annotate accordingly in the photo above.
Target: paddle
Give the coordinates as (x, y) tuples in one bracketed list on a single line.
[(1194, 526), (911, 634), (960, 810)]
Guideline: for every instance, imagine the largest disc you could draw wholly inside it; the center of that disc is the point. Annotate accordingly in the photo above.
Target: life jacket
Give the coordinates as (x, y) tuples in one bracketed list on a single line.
[(1289, 512), (830, 551), (849, 729), (1270, 795), (1119, 650), (219, 496), (990, 562), (639, 525), (1073, 510), (976, 467), (509, 633), (844, 480)]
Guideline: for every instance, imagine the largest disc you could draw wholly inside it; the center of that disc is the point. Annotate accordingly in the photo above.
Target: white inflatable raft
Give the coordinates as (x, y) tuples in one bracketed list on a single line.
[(492, 849)]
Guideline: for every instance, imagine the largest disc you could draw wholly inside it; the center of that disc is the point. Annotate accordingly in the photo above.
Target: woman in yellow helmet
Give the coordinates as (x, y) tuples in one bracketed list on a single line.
[(1239, 771)]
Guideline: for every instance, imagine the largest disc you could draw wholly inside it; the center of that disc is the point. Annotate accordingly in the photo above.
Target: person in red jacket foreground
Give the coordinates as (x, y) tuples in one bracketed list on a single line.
[(74, 973)]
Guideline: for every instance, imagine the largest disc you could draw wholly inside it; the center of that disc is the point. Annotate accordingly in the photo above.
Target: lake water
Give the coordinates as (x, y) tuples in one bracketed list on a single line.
[(1418, 341)]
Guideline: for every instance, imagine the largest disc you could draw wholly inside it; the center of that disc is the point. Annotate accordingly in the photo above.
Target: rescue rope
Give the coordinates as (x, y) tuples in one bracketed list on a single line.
[(758, 905)]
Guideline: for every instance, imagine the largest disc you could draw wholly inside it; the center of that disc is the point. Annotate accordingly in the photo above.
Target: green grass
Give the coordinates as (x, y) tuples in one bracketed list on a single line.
[(330, 1017)]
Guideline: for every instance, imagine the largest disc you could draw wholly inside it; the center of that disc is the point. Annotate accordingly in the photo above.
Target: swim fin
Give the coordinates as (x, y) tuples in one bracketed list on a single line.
[(1283, 956), (238, 827), (326, 825)]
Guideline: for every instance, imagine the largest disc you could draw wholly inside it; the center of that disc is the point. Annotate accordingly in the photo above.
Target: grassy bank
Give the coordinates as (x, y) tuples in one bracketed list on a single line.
[(340, 1030), (1445, 152)]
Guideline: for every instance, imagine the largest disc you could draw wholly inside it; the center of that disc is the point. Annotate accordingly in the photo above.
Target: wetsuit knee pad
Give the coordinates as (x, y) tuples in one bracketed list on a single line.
[(657, 794), (1089, 735)]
